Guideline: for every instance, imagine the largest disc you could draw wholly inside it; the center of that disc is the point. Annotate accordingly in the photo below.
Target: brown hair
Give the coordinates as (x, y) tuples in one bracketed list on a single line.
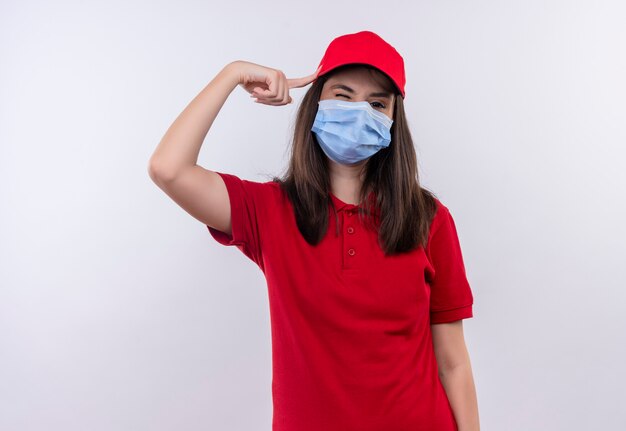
[(403, 209)]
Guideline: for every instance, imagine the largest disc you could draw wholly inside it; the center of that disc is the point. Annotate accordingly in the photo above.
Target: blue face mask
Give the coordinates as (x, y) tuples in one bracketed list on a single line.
[(350, 132)]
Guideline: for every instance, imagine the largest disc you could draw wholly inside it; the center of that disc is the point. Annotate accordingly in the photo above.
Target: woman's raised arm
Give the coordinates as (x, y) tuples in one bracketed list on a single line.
[(173, 165)]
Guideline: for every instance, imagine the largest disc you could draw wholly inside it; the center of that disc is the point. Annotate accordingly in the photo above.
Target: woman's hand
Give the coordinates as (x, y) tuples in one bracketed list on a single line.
[(267, 85)]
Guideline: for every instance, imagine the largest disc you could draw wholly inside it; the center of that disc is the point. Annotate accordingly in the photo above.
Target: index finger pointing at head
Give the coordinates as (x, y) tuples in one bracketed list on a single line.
[(301, 82)]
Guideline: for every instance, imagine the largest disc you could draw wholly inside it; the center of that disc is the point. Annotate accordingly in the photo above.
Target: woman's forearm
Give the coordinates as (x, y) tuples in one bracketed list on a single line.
[(180, 146), (459, 385)]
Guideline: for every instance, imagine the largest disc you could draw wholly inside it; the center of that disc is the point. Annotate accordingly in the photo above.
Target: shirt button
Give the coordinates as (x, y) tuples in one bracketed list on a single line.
[(350, 229), (351, 252)]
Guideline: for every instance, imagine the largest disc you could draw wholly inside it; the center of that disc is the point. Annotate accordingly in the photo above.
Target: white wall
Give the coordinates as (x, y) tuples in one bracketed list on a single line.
[(118, 311)]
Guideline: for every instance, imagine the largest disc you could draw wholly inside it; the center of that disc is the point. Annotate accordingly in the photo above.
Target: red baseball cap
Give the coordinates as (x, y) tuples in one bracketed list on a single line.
[(365, 47)]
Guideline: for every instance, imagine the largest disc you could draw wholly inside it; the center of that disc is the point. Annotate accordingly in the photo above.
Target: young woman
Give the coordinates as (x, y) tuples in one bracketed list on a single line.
[(366, 281)]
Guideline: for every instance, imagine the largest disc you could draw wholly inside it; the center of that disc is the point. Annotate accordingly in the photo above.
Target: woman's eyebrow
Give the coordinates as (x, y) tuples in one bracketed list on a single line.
[(350, 90)]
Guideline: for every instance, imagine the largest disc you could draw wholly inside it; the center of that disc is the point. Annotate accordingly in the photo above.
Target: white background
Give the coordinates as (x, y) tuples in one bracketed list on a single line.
[(118, 311)]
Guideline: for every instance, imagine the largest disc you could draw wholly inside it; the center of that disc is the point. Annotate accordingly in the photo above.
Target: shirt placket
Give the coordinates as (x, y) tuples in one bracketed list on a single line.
[(350, 234)]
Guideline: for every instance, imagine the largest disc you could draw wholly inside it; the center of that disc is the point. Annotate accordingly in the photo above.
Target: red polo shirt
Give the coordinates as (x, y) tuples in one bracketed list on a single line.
[(351, 339)]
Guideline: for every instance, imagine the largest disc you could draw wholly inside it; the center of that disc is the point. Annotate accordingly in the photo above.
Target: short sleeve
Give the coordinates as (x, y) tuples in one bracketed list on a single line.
[(450, 292), (248, 203)]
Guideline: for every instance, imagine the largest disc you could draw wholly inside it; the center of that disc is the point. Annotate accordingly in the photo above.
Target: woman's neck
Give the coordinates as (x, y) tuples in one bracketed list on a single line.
[(346, 181)]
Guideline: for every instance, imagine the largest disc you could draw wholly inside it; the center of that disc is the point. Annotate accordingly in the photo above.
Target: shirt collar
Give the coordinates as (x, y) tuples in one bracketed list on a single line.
[(343, 206)]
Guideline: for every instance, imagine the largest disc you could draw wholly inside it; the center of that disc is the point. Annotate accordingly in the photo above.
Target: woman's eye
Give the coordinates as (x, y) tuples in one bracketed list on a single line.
[(382, 106)]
